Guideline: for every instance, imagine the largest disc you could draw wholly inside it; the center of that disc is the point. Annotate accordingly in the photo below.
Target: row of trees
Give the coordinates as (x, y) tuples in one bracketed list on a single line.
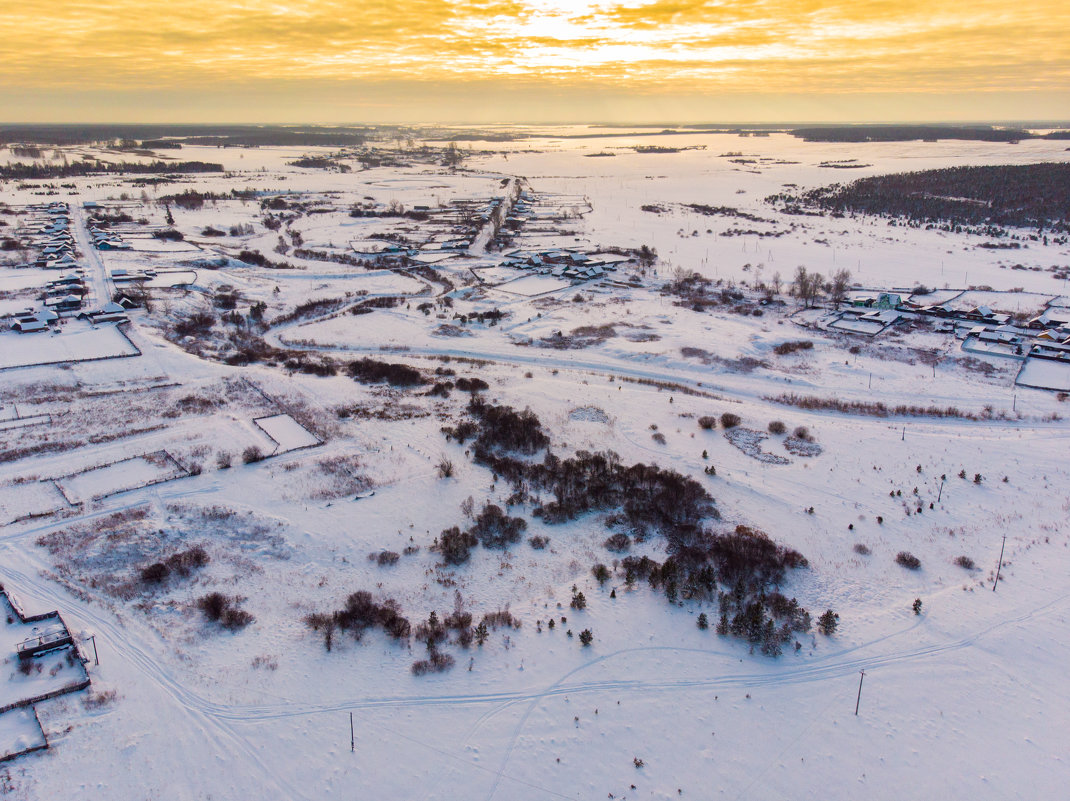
[(808, 286)]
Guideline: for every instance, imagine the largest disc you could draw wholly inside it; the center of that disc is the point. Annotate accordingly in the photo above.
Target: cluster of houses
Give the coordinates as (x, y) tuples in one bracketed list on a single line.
[(870, 314), (103, 239), (30, 320), (51, 229), (1045, 336), (565, 263), (64, 297), (891, 301)]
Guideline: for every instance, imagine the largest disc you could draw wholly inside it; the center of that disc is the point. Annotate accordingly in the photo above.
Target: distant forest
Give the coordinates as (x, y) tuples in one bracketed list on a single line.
[(1025, 196), (23, 172), (926, 133), (213, 135)]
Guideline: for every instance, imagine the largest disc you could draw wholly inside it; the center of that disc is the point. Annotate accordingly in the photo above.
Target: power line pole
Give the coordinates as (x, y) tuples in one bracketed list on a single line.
[(352, 734), (859, 699), (96, 658), (1001, 547)]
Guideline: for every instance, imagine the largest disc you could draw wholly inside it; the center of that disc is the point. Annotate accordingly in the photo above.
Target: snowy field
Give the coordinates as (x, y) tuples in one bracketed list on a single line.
[(79, 343), (20, 731), (287, 432), (1045, 374), (100, 482), (23, 500), (275, 325)]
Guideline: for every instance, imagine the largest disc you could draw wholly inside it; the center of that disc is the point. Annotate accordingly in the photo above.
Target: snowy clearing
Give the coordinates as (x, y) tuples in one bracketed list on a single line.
[(601, 503), (78, 344)]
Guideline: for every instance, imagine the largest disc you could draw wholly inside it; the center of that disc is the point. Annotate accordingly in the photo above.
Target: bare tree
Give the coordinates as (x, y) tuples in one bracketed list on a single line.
[(841, 280), (807, 286), (801, 283), (814, 288)]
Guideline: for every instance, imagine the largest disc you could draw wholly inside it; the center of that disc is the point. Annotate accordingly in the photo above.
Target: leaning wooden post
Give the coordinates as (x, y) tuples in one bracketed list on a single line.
[(1001, 547), (859, 699)]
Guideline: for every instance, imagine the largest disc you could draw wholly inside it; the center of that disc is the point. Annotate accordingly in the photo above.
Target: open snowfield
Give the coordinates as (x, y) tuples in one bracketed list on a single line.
[(77, 343), (20, 731), (133, 473), (892, 440), (287, 432), (1045, 374)]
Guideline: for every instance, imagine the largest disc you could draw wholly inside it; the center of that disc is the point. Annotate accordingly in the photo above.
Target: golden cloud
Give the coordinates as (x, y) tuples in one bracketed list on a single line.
[(750, 46)]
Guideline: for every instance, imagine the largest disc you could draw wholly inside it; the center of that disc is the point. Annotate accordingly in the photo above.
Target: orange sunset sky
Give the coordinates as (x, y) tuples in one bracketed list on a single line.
[(534, 60)]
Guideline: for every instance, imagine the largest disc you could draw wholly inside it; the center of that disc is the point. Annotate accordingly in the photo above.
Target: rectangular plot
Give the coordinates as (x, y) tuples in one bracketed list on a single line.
[(25, 350), (33, 498), (1045, 374), (286, 431), (128, 474), (20, 733)]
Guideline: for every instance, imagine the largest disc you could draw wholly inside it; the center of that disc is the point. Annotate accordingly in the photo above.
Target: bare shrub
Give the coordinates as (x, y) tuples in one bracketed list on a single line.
[(444, 467), (155, 573), (224, 610), (505, 428), (386, 558), (501, 618), (785, 348), (538, 542), (908, 560), (455, 545), (437, 662), (777, 427), (877, 409), (252, 454), (618, 543), (965, 562), (360, 612), (472, 385), (706, 422), (495, 529), (265, 662), (862, 549), (803, 433), (181, 563), (370, 371), (730, 420), (99, 699)]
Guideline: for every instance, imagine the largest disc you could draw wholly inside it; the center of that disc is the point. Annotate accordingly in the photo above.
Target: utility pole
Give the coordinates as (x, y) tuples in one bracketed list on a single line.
[(940, 494), (1001, 547), (352, 734), (859, 699), (96, 658)]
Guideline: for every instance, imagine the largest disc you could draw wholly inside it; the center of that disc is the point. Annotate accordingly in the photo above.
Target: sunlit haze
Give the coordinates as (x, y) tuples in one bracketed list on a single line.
[(534, 60)]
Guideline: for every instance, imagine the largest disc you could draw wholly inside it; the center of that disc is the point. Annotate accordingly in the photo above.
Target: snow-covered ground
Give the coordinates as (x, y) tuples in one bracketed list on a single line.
[(961, 700), (77, 342)]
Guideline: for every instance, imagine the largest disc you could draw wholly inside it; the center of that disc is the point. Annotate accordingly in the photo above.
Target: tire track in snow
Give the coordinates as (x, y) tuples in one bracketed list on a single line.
[(197, 709)]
